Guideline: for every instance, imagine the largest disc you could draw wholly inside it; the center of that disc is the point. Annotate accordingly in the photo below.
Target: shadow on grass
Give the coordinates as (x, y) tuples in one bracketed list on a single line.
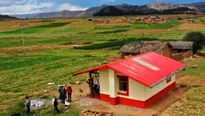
[(114, 44), (112, 31)]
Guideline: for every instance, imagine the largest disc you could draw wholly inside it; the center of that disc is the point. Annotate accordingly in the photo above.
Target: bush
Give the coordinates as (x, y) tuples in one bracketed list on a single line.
[(197, 37)]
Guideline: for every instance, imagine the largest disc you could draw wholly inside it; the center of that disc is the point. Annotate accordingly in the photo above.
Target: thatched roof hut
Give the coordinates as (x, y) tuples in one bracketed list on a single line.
[(142, 47), (156, 46), (183, 45)]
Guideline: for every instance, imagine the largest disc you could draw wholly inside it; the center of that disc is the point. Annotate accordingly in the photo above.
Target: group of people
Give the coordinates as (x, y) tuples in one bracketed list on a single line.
[(95, 87), (64, 92)]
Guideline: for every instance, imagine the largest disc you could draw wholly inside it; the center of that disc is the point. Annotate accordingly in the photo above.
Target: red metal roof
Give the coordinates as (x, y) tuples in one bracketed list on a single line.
[(149, 68)]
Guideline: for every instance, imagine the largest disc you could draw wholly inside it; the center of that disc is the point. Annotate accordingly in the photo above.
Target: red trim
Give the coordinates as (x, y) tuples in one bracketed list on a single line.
[(126, 93), (105, 97), (90, 69), (137, 103), (160, 94), (114, 101)]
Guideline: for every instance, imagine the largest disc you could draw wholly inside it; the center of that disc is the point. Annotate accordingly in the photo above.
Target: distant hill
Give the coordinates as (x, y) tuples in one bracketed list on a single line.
[(125, 9), (6, 17)]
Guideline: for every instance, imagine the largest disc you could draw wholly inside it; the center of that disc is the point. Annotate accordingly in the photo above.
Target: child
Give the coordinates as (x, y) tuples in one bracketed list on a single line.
[(27, 104), (55, 104)]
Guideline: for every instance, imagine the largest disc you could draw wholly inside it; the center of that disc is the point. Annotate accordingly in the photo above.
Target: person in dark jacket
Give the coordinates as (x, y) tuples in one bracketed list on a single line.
[(69, 92), (27, 105), (62, 93), (55, 104)]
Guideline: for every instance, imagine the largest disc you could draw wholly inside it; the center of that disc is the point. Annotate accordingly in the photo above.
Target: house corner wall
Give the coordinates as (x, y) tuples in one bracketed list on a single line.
[(112, 87), (155, 93)]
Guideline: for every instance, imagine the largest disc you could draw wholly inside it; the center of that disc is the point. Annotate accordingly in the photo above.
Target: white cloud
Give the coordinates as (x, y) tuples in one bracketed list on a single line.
[(71, 7), (11, 2), (20, 7), (108, 0)]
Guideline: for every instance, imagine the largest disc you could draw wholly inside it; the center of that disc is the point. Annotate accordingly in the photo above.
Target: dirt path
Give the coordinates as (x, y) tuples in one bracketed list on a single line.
[(157, 109), (187, 26)]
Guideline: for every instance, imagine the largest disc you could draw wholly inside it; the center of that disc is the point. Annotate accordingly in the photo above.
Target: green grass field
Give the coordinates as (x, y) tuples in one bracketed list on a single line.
[(29, 74), (167, 25)]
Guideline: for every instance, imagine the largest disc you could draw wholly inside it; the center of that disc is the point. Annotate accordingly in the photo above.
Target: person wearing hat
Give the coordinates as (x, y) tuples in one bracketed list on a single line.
[(62, 93), (69, 92)]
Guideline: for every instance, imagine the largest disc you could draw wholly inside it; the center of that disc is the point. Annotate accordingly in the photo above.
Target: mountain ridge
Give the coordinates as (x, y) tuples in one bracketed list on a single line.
[(126, 9)]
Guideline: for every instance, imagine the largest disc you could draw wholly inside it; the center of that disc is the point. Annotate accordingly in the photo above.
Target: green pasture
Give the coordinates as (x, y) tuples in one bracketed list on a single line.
[(26, 74), (167, 25)]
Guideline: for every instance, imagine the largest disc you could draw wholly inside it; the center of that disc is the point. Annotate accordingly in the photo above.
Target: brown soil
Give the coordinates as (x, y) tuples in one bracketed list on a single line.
[(187, 26), (191, 81), (3, 107), (169, 99), (183, 84), (157, 109), (35, 48), (77, 94), (95, 113)]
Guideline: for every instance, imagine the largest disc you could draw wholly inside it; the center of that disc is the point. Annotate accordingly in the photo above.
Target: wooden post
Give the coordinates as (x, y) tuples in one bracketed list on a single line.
[(91, 85)]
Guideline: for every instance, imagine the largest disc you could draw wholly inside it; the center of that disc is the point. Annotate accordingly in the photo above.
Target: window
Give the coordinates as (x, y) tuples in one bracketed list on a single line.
[(123, 85), (169, 79)]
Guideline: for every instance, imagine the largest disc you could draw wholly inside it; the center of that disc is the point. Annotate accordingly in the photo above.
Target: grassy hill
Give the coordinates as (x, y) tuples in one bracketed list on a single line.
[(51, 57)]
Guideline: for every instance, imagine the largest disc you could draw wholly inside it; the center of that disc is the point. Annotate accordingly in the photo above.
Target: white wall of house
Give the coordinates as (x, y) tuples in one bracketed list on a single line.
[(136, 90), (104, 81), (109, 85), (149, 92)]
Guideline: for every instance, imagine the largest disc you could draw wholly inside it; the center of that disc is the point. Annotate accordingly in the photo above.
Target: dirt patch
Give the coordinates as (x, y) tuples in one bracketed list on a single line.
[(187, 26), (95, 113), (191, 81), (79, 91), (174, 100), (95, 104), (36, 48), (3, 107), (169, 99)]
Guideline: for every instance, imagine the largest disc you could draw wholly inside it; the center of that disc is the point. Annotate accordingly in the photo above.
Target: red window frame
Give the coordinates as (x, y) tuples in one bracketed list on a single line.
[(126, 93), (169, 79)]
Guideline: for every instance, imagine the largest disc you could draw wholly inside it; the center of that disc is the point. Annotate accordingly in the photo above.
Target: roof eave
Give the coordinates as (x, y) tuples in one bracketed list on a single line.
[(165, 78)]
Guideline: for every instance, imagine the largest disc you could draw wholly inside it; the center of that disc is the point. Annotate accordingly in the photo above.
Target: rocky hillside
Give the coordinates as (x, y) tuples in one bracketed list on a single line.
[(125, 9), (6, 17)]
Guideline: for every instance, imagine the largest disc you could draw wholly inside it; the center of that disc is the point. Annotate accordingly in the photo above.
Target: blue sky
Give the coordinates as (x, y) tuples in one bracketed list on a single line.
[(37, 6)]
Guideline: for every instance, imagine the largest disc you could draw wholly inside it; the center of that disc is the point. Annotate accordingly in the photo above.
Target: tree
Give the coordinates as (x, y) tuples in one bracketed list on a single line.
[(197, 37)]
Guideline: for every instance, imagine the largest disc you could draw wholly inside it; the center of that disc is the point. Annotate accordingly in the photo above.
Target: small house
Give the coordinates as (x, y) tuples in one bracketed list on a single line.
[(90, 19), (138, 81), (98, 21), (177, 50), (119, 20), (181, 49), (140, 47), (191, 20), (202, 20)]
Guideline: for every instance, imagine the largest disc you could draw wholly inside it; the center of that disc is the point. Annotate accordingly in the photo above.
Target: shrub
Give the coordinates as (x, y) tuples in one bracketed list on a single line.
[(197, 37)]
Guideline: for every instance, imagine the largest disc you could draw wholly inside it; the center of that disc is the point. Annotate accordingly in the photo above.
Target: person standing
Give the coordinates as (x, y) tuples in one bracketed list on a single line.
[(69, 92), (55, 104), (62, 93), (27, 105)]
